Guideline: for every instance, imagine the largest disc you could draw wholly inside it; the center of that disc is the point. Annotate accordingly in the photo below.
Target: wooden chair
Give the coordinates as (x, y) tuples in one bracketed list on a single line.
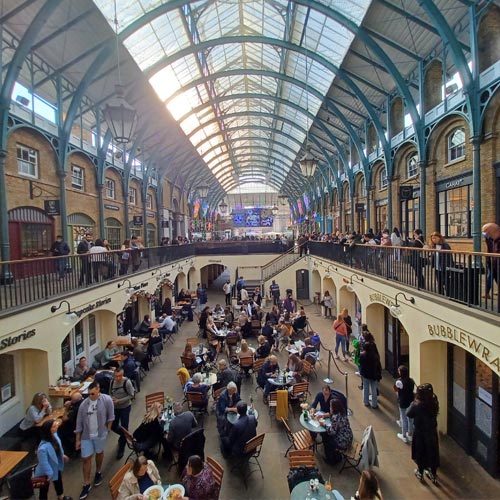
[(302, 458), (300, 440), (217, 471), (257, 365), (246, 364), (131, 443), (272, 403), (256, 327), (351, 457), (197, 402), (154, 397), (188, 363), (216, 395), (194, 341), (117, 479), (298, 394), (252, 451), (308, 369)]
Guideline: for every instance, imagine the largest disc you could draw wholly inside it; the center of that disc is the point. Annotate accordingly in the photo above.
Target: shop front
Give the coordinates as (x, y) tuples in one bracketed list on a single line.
[(397, 344)]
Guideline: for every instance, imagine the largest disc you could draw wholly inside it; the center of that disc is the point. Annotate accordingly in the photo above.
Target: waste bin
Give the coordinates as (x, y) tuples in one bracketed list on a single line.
[(463, 283)]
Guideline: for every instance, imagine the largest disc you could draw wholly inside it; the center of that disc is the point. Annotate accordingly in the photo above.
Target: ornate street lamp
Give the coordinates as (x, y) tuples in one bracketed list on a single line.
[(275, 210), (203, 191)]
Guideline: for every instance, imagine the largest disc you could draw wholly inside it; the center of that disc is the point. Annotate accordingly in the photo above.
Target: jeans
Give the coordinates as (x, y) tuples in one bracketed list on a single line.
[(370, 385), (406, 423), (61, 266), (340, 340), (122, 417)]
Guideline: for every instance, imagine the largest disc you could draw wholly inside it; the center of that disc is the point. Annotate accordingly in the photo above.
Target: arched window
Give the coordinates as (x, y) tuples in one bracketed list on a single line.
[(113, 232), (383, 178), (456, 144), (411, 165), (362, 187)]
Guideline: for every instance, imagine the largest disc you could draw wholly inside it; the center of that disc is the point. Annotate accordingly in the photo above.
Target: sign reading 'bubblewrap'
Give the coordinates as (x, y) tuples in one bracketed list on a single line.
[(489, 354)]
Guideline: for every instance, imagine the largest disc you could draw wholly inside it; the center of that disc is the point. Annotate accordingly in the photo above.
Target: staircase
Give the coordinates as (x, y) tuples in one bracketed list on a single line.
[(279, 264)]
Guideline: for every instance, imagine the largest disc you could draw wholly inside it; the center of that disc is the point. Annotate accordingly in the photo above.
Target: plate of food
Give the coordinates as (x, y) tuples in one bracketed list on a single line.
[(173, 492), (154, 492), (75, 384)]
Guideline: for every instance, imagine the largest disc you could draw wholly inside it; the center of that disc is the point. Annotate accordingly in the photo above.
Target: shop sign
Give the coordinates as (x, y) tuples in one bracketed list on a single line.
[(151, 215), (137, 220), (91, 307), (215, 261), (380, 297), (52, 207), (14, 339), (112, 207), (469, 341)]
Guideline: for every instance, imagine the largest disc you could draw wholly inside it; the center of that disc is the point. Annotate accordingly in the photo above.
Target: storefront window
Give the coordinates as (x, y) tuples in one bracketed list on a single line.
[(79, 345), (113, 232), (92, 330), (409, 216), (455, 212), (151, 241), (35, 239), (7, 378), (459, 379), (381, 217)]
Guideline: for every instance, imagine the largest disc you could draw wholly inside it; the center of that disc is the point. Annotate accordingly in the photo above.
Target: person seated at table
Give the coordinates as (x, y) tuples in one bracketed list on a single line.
[(183, 296), (243, 429), (199, 481), (150, 431), (300, 321), (196, 359), (129, 365), (187, 311), (195, 384), (268, 332), (294, 365), (231, 347), (309, 350), (145, 325), (180, 426), (323, 399), (283, 333), (257, 313), (338, 436), (154, 338), (225, 375), (167, 325), (107, 355), (81, 370), (264, 348), (244, 323), (138, 479), (273, 316), (39, 408), (368, 488), (245, 352), (218, 309), (67, 427), (268, 370), (140, 354), (166, 307), (227, 402), (228, 316)]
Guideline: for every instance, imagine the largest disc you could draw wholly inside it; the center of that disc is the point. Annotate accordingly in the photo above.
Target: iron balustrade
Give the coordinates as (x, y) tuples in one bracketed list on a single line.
[(470, 278)]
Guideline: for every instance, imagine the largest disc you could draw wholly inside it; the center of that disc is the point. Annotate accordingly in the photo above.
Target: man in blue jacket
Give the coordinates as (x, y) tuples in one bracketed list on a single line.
[(244, 428)]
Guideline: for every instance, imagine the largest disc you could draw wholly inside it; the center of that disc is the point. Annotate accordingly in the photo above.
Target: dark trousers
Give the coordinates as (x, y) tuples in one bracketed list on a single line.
[(122, 417), (58, 486), (85, 271), (228, 299)]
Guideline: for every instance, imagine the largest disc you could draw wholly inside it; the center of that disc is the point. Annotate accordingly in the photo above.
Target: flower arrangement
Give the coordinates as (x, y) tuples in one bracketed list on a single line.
[(304, 406)]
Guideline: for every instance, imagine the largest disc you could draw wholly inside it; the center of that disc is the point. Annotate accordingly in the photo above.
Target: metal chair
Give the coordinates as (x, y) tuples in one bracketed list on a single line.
[(257, 365), (217, 472), (300, 440), (117, 479), (252, 451)]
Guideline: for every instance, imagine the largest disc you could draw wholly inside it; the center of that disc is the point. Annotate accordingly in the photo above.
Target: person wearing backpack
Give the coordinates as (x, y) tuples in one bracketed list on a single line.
[(122, 393)]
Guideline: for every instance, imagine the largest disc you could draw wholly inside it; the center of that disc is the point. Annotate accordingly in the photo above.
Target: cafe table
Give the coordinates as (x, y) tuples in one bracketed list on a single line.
[(302, 491), (56, 413), (232, 416), (211, 379), (9, 460), (312, 424), (281, 382), (64, 391)]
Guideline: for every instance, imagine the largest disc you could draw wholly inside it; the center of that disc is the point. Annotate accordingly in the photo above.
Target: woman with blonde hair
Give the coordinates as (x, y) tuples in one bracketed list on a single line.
[(150, 432), (440, 261), (137, 480), (40, 408)]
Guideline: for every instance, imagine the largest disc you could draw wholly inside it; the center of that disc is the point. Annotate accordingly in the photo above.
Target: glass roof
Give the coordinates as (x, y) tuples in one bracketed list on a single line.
[(242, 77)]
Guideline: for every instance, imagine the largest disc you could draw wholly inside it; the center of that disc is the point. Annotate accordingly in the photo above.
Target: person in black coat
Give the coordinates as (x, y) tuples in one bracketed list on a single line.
[(370, 370), (264, 348), (243, 429), (425, 443), (417, 260), (441, 262), (149, 434), (269, 368)]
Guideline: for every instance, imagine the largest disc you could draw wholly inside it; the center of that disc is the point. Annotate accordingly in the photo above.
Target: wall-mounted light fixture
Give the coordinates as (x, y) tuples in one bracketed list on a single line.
[(156, 271), (349, 282), (130, 288), (395, 309), (69, 317), (328, 269)]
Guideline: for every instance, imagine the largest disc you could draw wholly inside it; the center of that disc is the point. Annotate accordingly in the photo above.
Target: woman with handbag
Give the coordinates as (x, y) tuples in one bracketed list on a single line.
[(51, 460)]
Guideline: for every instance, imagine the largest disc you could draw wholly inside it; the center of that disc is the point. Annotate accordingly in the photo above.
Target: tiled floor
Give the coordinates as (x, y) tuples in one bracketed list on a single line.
[(459, 475)]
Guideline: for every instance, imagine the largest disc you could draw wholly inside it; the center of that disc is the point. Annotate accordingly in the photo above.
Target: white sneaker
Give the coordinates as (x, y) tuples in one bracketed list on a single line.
[(398, 422), (403, 438), (336, 356), (409, 437), (357, 373)]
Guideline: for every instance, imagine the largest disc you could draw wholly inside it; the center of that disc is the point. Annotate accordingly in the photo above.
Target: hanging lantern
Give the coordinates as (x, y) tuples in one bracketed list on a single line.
[(308, 164)]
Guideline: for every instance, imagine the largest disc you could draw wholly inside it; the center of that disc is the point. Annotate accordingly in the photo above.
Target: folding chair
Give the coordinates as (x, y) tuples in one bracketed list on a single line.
[(217, 472), (188, 363), (351, 457), (307, 369), (302, 458), (300, 440), (154, 397), (246, 364), (257, 365), (252, 451), (156, 352), (298, 394), (117, 479), (197, 402), (131, 443)]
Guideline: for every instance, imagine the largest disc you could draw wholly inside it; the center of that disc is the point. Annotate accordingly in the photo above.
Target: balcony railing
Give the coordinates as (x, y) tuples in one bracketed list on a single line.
[(470, 278)]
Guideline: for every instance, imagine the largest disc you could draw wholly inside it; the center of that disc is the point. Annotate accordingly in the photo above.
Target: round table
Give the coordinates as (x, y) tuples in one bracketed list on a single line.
[(301, 491), (278, 382), (232, 416), (312, 424)]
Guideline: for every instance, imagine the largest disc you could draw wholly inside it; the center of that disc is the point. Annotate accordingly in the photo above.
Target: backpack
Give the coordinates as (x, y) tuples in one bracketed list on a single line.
[(125, 386)]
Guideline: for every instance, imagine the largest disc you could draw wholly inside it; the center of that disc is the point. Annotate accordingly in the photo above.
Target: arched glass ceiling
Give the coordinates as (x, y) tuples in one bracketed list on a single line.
[(198, 55)]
